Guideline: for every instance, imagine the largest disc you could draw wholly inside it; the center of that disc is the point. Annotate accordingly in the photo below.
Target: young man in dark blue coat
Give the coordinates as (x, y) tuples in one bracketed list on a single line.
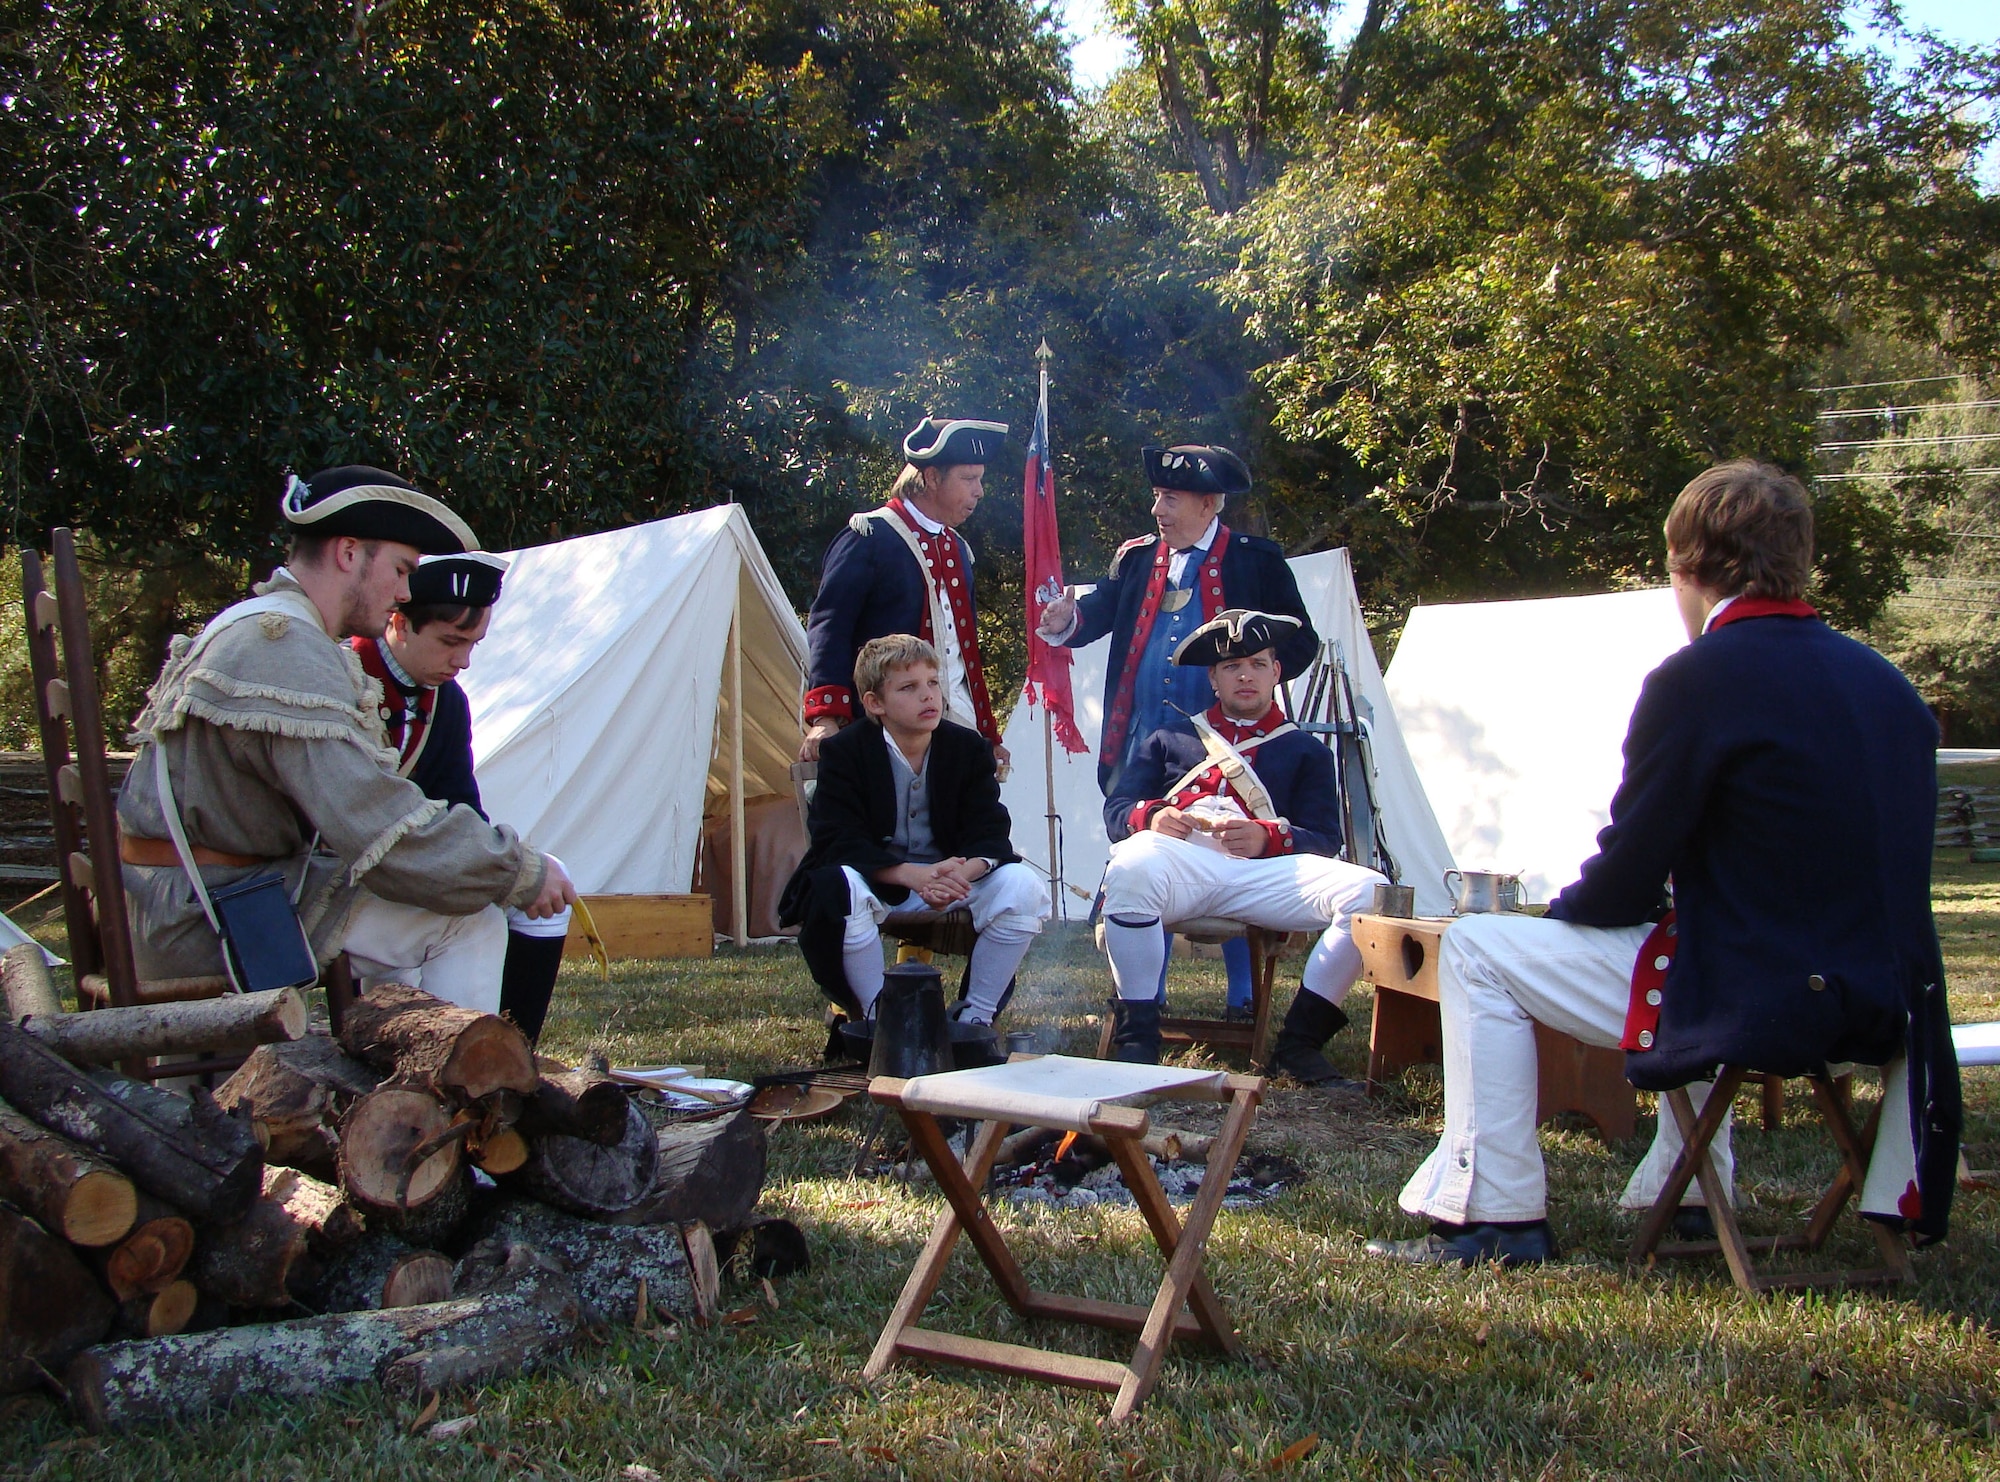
[(904, 568), (1232, 812), (427, 721), (1161, 588), (1782, 779)]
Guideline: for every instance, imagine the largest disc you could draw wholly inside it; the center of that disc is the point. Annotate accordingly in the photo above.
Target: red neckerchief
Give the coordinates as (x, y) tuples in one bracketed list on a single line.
[(949, 572), (392, 711), (1208, 583), (1756, 607), (1239, 733)]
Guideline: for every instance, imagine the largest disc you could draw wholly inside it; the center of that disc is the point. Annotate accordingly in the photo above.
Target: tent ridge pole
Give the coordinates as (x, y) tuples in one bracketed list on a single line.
[(739, 885)]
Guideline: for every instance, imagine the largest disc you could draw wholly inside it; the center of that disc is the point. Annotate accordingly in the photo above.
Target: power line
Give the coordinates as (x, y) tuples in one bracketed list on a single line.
[(1871, 385), (1900, 411), (1909, 442), (1900, 473)]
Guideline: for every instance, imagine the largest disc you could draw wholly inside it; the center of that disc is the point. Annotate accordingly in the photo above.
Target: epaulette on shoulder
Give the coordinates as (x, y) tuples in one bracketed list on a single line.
[(862, 522), (1118, 556)]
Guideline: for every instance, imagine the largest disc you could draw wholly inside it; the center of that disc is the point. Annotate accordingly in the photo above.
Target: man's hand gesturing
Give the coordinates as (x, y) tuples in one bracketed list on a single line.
[(1242, 838), (1171, 822)]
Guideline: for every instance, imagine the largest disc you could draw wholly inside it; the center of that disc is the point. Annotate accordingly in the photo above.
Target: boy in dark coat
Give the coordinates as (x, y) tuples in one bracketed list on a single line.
[(907, 817), (1783, 779), (1232, 813)]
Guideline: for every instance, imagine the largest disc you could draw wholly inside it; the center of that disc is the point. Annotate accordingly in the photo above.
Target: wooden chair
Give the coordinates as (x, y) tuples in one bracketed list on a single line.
[(84, 813), (1004, 1095), (1695, 1163), (1253, 1037)]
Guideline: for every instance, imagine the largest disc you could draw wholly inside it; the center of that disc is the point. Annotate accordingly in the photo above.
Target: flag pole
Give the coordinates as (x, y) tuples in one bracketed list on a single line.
[(1044, 355)]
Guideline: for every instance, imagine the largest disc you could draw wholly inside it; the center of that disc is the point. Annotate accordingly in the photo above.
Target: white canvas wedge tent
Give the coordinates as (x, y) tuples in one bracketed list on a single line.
[(1515, 714), (1408, 827), (633, 682)]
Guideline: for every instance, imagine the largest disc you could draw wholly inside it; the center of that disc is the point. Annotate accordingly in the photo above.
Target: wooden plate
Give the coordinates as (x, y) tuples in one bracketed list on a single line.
[(795, 1103)]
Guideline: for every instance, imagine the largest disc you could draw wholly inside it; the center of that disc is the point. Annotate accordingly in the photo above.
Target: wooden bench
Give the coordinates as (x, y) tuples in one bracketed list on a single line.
[(1400, 957)]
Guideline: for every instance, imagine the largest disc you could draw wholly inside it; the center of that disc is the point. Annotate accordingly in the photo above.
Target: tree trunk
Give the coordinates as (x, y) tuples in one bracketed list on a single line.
[(404, 1030), (50, 1304), (577, 1103), (71, 1193), (400, 1162), (297, 1093), (383, 1270), (24, 976), (599, 1183), (607, 1261), (710, 1171), (190, 1154), (157, 1314), (279, 1248), (152, 1257), (206, 1026), (123, 1384)]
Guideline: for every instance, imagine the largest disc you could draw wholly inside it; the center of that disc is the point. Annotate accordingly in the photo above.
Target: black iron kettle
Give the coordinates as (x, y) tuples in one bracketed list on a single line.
[(912, 1035)]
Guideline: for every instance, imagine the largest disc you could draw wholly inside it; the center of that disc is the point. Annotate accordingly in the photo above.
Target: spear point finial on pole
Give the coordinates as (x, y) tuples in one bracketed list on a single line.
[(1045, 353)]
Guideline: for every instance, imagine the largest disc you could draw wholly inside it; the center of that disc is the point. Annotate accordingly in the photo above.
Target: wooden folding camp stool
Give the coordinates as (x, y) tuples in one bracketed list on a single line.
[(1695, 1163), (985, 1095)]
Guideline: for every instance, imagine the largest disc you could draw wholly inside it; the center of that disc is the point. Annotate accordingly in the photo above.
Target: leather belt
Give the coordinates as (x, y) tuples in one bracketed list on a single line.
[(159, 854)]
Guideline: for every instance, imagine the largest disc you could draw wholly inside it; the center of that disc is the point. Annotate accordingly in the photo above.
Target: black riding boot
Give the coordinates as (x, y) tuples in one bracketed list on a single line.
[(1135, 1031), (528, 980), (1309, 1023)]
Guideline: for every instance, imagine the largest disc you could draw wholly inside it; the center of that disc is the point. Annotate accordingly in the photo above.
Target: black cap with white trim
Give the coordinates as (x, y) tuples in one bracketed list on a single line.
[(938, 443), (369, 504), (1236, 633), (1196, 468), (470, 579)]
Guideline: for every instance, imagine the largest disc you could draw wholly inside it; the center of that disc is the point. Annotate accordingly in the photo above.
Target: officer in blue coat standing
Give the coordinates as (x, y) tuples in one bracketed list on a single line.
[(1161, 588)]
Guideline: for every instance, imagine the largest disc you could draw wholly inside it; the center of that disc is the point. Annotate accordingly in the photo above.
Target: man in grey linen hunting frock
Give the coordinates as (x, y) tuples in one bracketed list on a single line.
[(273, 739)]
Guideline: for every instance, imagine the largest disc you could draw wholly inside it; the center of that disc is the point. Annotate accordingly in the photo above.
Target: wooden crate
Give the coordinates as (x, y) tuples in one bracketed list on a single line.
[(647, 926)]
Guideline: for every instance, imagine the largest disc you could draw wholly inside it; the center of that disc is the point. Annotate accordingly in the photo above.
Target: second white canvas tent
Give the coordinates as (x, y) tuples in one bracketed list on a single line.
[(602, 711), (1326, 583), (1515, 713)]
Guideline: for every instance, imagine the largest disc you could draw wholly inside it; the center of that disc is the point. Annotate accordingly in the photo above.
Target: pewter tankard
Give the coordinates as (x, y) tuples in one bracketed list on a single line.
[(1482, 891)]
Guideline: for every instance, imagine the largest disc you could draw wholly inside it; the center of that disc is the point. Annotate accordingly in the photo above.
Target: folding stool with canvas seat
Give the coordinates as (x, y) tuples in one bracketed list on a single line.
[(1071, 1095), (1695, 1163)]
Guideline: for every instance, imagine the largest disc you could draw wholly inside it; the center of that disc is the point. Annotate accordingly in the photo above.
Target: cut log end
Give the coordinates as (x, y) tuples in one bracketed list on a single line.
[(503, 1152), (100, 1209), (150, 1258), (420, 1277), (379, 1139)]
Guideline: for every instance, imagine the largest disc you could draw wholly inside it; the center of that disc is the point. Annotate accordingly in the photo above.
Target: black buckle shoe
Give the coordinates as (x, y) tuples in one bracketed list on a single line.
[(1693, 1223), (1469, 1245)]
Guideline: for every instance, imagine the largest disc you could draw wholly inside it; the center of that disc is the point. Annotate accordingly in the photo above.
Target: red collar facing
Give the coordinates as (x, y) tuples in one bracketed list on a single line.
[(1236, 732), (1756, 607)]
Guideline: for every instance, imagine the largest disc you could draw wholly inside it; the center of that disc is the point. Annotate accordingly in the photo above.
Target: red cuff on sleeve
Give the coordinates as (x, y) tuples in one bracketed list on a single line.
[(1142, 814), (1277, 837), (829, 702)]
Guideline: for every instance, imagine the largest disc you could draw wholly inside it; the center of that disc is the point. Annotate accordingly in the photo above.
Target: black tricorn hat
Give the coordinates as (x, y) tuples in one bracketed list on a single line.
[(1197, 468), (471, 579), (369, 504), (1235, 633), (938, 443)]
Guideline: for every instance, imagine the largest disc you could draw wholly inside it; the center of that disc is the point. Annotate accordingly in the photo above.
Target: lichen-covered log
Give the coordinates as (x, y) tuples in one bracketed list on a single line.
[(599, 1183), (150, 1258), (607, 1261), (25, 978), (280, 1246), (65, 1188), (418, 1037), (400, 1163), (296, 1094), (118, 1385), (50, 1304), (235, 1021), (381, 1270), (577, 1103), (710, 1171), (187, 1152)]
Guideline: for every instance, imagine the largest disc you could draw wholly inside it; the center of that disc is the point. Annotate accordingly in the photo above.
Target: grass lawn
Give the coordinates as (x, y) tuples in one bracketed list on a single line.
[(1580, 1369)]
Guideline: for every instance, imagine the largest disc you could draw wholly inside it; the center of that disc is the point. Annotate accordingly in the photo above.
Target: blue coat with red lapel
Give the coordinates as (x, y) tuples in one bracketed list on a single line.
[(1254, 575), (1295, 769), (1785, 778)]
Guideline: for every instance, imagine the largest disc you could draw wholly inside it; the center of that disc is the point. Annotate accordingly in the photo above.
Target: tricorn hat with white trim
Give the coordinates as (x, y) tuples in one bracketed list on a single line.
[(938, 443), (1196, 468), (369, 504), (470, 579), (1236, 633)]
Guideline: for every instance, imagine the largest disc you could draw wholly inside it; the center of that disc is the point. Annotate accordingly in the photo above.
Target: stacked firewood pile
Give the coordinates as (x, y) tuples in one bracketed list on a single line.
[(420, 1202)]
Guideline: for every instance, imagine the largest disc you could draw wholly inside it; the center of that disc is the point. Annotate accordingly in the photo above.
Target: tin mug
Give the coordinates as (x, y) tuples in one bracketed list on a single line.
[(1395, 900)]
